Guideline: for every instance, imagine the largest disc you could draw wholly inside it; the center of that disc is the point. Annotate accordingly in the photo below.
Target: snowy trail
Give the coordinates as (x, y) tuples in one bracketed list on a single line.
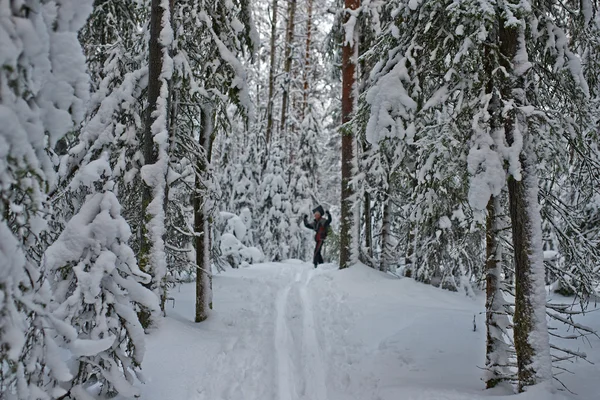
[(300, 368), (314, 367), (281, 347), (285, 331)]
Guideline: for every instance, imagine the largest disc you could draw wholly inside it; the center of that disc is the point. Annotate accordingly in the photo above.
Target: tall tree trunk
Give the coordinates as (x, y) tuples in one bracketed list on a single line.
[(289, 43), (270, 99), (496, 321), (368, 224), (349, 60), (496, 359), (151, 256), (409, 259), (307, 63), (530, 328), (201, 221), (386, 236)]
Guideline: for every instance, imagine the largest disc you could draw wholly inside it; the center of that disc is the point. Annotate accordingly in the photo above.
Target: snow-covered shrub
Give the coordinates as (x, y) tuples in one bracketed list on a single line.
[(232, 231), (98, 289), (275, 209)]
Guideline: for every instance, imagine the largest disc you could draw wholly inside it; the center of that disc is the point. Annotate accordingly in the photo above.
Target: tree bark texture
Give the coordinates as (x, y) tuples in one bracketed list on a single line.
[(496, 347), (349, 60), (368, 225), (149, 149), (307, 63), (269, 132), (202, 222), (530, 330), (386, 236), (287, 68)]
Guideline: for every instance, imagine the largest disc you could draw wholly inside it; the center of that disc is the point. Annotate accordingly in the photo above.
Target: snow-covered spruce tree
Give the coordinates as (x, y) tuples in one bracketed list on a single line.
[(98, 290), (303, 189), (541, 89), (111, 38), (566, 148), (569, 190), (208, 78), (113, 123), (437, 52), (43, 88), (243, 173), (274, 209), (411, 108)]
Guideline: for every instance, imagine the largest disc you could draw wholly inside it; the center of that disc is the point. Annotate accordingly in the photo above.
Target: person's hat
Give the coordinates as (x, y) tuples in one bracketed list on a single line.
[(320, 209)]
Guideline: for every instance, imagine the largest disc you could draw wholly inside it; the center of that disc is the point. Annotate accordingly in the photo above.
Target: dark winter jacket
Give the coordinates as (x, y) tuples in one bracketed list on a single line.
[(320, 226)]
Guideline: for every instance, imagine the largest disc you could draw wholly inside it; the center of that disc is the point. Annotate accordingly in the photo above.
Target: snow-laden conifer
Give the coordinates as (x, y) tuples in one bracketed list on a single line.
[(98, 289), (43, 90)]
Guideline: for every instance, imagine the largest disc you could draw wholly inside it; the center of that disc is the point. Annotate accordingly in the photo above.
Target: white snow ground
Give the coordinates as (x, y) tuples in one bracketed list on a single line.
[(284, 331)]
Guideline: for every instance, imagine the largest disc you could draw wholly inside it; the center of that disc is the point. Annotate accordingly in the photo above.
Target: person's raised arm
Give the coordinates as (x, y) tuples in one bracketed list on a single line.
[(328, 218), (308, 224)]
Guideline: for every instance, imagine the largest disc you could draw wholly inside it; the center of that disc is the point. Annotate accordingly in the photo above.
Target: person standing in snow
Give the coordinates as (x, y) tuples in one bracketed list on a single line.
[(320, 226)]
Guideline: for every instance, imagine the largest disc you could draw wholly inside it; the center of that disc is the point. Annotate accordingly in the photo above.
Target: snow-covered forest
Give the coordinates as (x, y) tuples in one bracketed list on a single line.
[(155, 153)]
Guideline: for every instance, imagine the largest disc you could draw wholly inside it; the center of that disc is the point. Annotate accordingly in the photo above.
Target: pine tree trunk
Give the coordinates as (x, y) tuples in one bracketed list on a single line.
[(269, 132), (149, 148), (496, 359), (307, 64), (386, 246), (201, 222), (368, 226), (289, 43), (530, 329), (349, 60)]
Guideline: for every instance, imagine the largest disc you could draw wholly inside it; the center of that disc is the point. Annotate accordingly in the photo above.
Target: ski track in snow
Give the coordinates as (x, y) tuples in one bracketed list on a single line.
[(281, 347), (285, 331), (300, 369), (314, 367)]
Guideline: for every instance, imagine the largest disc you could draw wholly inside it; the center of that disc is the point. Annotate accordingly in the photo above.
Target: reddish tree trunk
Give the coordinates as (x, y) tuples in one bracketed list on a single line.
[(349, 60)]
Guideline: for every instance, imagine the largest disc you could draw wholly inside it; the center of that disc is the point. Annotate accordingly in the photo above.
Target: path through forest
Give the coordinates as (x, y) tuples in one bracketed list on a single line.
[(285, 331)]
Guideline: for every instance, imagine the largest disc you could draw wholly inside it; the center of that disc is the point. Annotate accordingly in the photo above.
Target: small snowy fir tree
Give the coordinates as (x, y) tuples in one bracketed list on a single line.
[(275, 209), (98, 289), (304, 184)]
